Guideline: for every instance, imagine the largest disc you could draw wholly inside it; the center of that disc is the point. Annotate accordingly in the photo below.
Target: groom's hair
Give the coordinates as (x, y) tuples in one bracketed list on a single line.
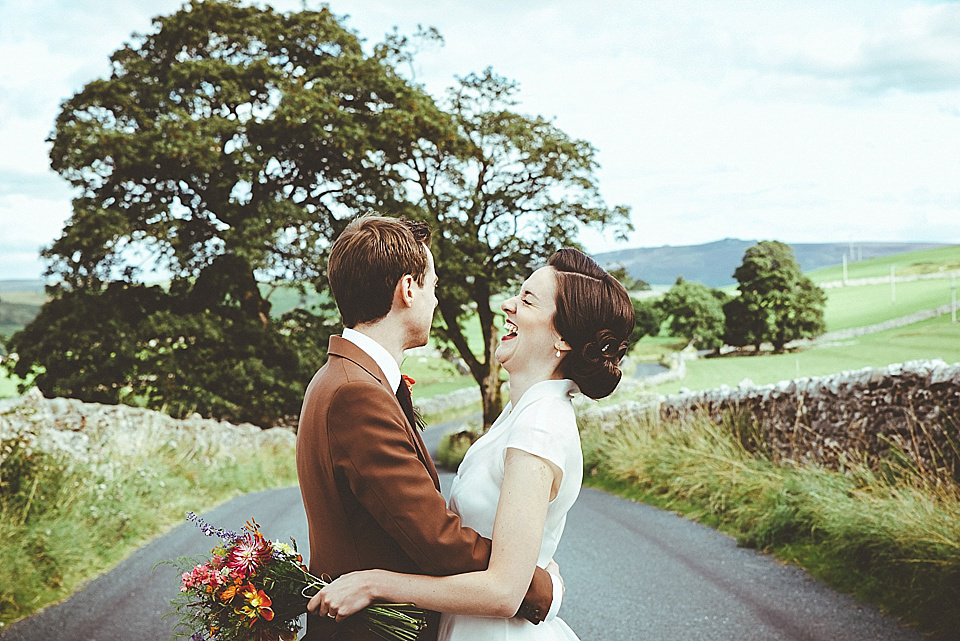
[(368, 260)]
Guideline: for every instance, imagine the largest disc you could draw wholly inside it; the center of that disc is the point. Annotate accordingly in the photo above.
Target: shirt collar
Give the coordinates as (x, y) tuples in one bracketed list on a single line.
[(378, 353)]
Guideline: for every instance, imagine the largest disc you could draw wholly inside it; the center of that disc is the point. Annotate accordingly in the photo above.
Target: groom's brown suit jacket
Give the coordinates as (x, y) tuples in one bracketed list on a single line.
[(371, 491)]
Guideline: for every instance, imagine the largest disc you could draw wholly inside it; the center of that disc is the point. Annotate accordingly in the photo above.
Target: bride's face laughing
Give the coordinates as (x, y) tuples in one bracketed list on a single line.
[(531, 340)]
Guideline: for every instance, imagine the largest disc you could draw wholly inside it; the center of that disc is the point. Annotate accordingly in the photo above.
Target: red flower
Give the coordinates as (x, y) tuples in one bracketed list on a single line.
[(249, 553)]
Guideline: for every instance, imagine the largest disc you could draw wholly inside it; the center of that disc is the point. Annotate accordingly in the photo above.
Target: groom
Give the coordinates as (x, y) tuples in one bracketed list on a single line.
[(369, 487)]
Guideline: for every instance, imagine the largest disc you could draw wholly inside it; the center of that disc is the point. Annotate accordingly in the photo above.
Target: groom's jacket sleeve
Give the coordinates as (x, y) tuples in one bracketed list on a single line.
[(375, 455)]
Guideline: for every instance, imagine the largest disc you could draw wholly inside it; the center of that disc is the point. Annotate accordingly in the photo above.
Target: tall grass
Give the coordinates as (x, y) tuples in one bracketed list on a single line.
[(67, 515), (890, 537)]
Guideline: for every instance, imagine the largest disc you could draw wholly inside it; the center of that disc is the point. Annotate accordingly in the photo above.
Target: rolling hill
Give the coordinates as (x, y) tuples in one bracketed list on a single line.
[(713, 263)]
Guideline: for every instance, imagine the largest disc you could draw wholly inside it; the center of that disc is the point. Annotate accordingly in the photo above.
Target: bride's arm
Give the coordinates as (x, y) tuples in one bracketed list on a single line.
[(528, 485)]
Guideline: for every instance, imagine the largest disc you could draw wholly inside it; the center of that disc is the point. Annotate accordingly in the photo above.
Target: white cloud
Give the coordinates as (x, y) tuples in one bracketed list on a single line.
[(917, 49)]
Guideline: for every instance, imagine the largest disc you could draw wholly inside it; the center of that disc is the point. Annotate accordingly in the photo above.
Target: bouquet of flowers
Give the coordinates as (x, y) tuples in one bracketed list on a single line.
[(252, 589)]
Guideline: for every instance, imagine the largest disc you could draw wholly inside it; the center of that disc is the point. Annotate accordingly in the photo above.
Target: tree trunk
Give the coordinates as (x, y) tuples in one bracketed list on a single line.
[(486, 372), (491, 391), (491, 388), (490, 384), (228, 275)]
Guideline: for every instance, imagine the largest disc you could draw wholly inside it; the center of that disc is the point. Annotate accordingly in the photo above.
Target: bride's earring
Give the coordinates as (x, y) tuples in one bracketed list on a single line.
[(558, 352)]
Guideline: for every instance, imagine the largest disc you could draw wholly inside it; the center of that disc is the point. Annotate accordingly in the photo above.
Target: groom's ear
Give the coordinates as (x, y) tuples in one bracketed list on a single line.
[(403, 293)]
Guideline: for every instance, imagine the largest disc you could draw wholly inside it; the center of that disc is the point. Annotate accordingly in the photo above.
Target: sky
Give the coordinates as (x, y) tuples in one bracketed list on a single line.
[(794, 120)]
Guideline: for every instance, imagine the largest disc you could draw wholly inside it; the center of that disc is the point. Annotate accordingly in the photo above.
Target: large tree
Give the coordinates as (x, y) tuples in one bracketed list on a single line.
[(777, 302), (223, 152), (505, 195)]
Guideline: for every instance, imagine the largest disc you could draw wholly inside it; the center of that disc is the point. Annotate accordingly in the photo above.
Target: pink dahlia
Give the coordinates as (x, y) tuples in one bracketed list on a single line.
[(248, 554)]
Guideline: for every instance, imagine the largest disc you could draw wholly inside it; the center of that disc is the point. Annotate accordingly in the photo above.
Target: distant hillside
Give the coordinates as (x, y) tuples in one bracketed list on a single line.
[(713, 263), (21, 286)]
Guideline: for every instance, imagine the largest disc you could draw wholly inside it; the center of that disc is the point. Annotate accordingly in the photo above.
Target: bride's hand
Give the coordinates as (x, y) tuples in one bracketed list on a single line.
[(347, 595), (554, 569)]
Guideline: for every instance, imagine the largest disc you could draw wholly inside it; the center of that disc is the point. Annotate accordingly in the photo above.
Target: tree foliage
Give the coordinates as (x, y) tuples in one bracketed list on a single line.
[(694, 312), (777, 303), (225, 150), (508, 192), (743, 325), (648, 319)]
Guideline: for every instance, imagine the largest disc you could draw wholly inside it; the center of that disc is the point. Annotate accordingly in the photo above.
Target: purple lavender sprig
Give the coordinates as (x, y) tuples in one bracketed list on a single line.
[(224, 535)]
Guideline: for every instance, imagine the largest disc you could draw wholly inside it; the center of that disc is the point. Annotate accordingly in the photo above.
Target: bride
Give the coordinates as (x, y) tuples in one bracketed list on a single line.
[(566, 332)]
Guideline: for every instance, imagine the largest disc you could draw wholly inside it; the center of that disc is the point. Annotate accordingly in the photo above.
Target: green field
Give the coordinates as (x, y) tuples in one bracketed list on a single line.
[(930, 339), (927, 261), (869, 304), (8, 384)]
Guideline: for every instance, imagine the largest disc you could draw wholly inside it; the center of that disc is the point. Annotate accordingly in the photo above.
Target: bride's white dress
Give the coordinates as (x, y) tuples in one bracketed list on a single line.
[(543, 423)]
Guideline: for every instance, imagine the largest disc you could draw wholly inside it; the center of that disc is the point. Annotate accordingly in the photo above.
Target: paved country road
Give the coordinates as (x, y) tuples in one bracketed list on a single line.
[(634, 573)]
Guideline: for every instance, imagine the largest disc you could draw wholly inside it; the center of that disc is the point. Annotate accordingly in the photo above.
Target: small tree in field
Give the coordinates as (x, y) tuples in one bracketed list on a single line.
[(629, 282), (694, 312), (648, 319), (778, 303), (742, 324)]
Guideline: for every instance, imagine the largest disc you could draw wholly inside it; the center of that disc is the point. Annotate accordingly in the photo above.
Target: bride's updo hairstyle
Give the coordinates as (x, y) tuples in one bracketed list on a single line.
[(595, 317)]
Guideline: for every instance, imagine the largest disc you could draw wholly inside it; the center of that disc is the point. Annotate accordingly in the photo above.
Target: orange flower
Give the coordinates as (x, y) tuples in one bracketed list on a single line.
[(228, 593), (259, 604)]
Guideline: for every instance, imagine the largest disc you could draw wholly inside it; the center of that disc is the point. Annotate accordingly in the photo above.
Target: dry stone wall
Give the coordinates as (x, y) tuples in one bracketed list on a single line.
[(83, 432), (914, 406)]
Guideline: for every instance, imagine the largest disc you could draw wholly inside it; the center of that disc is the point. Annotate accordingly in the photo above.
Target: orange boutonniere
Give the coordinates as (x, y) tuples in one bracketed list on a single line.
[(409, 381)]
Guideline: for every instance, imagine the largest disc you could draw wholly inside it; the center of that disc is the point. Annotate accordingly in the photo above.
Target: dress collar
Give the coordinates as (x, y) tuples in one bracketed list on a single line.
[(563, 387), (378, 353)]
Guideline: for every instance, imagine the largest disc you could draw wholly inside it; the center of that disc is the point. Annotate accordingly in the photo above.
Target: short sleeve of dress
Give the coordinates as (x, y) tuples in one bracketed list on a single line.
[(546, 428)]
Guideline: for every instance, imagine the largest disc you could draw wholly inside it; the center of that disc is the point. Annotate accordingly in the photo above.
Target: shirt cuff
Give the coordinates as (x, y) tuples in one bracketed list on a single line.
[(557, 597)]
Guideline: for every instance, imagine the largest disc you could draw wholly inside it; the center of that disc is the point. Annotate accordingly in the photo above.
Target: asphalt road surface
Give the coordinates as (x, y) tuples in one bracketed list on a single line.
[(633, 573)]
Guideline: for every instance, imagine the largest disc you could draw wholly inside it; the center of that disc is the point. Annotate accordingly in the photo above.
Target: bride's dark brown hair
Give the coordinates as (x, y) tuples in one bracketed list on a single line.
[(595, 317)]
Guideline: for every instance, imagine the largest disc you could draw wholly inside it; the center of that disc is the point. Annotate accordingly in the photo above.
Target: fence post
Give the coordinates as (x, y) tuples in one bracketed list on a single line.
[(893, 284), (953, 299)]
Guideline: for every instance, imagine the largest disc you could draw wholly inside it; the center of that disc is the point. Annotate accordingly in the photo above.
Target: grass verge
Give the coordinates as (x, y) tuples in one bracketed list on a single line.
[(889, 537), (66, 517), (453, 448)]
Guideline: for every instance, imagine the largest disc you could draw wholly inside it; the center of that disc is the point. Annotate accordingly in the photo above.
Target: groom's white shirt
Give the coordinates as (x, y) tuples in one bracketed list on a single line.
[(378, 353), (391, 370)]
